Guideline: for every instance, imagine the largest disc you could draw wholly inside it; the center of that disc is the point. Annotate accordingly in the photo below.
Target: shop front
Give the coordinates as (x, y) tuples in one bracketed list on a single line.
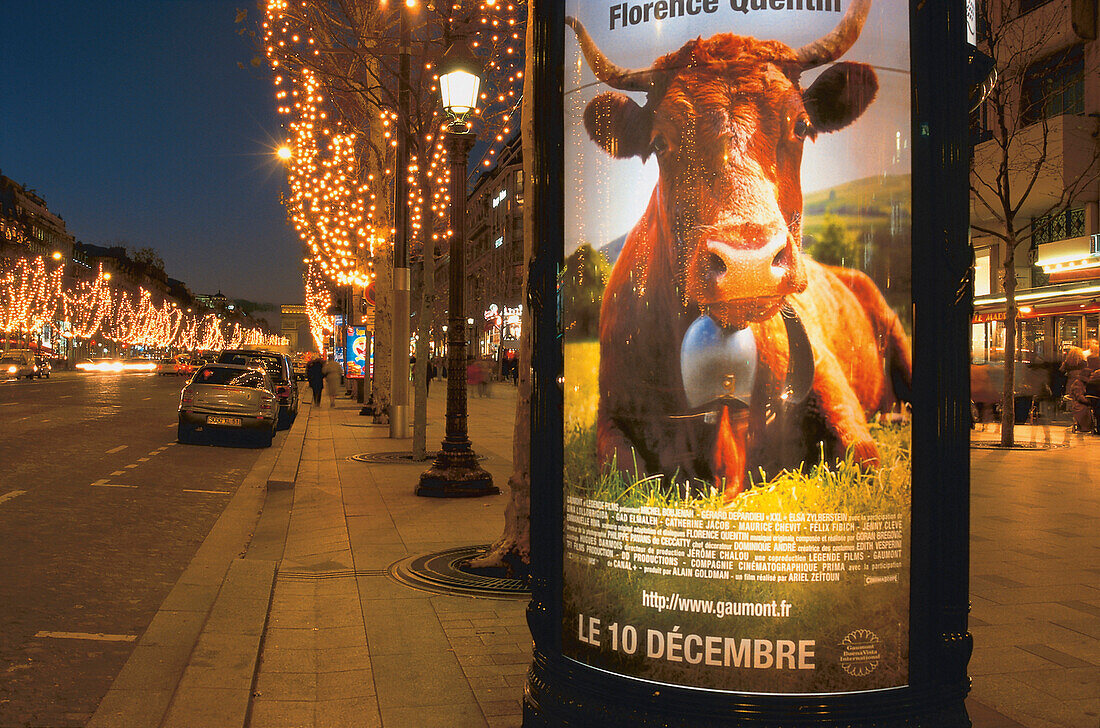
[(499, 338), (1048, 323)]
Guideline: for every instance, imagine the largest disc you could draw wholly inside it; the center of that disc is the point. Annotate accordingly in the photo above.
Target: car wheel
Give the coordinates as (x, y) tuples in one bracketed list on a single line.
[(267, 438), (185, 434)]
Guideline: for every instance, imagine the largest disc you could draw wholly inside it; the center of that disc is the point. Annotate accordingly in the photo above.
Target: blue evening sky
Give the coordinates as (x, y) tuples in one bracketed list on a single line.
[(132, 119)]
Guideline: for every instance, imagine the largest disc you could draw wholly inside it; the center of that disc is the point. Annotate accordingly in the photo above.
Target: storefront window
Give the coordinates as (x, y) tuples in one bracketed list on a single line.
[(1068, 332), (979, 343)]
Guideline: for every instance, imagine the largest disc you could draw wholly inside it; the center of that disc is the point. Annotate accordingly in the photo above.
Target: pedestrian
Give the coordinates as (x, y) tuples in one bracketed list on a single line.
[(983, 396), (486, 375), (475, 375), (1077, 372), (315, 377), (431, 375), (1037, 381), (331, 370)]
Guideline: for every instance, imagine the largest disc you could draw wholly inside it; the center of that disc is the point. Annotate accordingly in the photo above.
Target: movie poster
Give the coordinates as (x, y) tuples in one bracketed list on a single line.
[(737, 317), (356, 346)]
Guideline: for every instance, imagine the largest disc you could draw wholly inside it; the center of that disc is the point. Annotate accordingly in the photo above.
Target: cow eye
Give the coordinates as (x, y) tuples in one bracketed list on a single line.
[(802, 128), (659, 145)]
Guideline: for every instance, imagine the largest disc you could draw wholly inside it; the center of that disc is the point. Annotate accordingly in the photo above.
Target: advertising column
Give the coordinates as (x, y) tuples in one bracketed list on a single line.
[(737, 312)]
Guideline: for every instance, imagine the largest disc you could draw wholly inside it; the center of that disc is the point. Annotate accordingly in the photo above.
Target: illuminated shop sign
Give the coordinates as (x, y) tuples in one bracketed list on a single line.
[(736, 310)]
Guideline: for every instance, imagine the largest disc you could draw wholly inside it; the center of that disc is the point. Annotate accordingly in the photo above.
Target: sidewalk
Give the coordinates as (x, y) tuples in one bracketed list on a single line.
[(308, 630)]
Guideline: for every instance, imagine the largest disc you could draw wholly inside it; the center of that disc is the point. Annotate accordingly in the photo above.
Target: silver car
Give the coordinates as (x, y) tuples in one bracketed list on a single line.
[(227, 399)]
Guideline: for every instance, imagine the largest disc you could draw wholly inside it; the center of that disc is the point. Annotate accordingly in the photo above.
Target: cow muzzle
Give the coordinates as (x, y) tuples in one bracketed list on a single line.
[(728, 273)]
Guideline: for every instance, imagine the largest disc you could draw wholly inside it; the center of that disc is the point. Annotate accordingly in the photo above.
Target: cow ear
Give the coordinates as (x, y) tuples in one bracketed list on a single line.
[(839, 95), (619, 125)]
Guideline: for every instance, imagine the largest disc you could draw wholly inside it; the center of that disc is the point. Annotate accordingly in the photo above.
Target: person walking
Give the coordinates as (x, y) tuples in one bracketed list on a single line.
[(1077, 372), (316, 378), (331, 371)]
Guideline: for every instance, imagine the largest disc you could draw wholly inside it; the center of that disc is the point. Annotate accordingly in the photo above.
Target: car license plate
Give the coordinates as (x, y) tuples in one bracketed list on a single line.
[(229, 421)]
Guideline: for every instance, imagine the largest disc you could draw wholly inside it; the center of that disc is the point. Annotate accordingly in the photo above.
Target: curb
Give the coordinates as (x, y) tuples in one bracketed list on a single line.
[(285, 472), (195, 663)]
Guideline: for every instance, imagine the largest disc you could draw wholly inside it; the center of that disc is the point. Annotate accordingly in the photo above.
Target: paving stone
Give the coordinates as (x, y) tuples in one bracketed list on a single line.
[(281, 714), (464, 715), (358, 712)]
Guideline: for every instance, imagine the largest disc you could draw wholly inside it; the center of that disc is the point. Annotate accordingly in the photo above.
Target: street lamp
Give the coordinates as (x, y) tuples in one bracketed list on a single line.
[(455, 472)]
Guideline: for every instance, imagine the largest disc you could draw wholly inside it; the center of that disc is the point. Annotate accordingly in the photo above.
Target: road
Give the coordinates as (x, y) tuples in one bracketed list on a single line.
[(100, 512)]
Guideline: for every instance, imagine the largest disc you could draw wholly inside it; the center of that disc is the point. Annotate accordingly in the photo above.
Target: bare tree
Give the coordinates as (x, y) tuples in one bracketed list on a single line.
[(1020, 172), (512, 551), (360, 52)]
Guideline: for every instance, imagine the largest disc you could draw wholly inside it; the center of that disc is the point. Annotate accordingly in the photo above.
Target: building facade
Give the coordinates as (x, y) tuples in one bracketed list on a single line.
[(1048, 73), (494, 264), (27, 227)]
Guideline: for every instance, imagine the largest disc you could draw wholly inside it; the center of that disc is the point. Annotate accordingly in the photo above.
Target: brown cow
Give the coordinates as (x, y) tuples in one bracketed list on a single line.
[(726, 119)]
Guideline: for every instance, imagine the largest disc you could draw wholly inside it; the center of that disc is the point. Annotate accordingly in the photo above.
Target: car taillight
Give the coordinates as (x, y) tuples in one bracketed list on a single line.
[(186, 397)]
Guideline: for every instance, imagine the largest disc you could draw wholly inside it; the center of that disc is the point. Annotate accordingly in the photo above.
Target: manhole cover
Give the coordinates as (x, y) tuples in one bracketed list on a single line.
[(441, 573), (390, 458)]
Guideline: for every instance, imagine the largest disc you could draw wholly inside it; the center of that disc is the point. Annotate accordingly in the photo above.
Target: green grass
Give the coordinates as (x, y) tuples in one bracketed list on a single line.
[(825, 611)]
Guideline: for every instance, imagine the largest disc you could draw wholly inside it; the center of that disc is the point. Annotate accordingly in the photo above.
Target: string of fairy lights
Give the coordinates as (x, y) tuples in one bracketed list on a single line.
[(339, 205), (318, 301), (34, 293)]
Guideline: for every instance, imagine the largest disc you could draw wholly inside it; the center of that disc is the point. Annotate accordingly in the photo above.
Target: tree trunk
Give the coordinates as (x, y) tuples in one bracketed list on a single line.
[(425, 309), (512, 551), (383, 334), (1008, 395)]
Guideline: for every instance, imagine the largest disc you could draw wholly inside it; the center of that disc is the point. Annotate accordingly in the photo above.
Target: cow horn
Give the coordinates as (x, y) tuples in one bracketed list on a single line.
[(837, 42), (624, 79)]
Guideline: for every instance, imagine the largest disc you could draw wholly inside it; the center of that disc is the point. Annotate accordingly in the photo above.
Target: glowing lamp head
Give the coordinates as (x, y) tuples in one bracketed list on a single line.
[(459, 80), (284, 153), (56, 255)]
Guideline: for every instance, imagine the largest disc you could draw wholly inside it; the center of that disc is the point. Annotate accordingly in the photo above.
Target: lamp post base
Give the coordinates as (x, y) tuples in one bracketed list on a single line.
[(456, 474)]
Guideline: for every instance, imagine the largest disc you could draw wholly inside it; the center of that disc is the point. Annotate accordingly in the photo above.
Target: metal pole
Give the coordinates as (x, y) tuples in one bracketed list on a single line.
[(399, 384), (455, 473)]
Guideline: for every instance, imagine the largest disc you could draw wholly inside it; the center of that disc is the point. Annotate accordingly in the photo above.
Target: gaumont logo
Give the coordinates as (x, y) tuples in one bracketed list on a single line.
[(860, 653)]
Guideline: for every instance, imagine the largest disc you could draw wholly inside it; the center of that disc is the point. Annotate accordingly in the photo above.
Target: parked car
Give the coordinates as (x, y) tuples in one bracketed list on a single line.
[(300, 360), (18, 363), (228, 398), (281, 371)]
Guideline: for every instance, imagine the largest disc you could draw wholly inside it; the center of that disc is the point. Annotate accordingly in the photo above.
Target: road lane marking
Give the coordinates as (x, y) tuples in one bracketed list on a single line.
[(120, 448), (145, 398), (97, 636), (11, 494), (171, 426), (220, 492), (104, 484), (131, 465), (8, 404), (118, 472), (65, 396), (143, 460)]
